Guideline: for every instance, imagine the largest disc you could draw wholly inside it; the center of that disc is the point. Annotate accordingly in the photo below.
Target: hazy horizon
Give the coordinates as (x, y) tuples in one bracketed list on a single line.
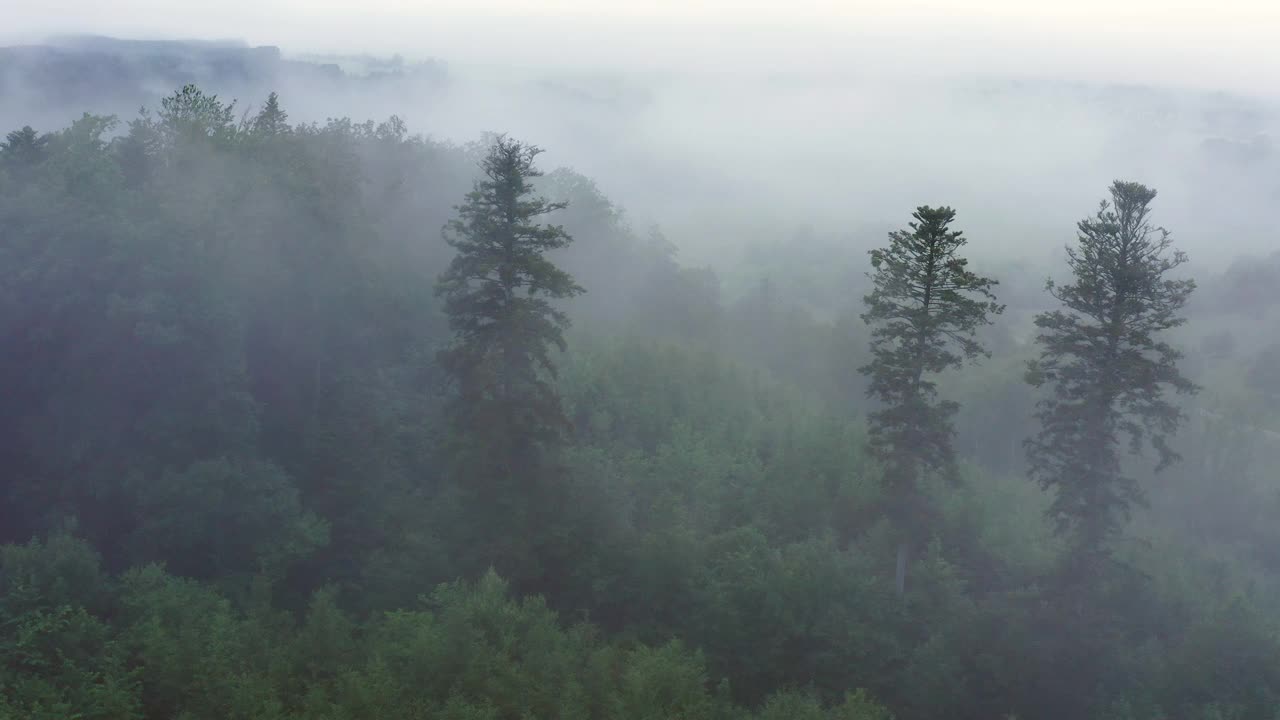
[(1176, 44), (836, 116)]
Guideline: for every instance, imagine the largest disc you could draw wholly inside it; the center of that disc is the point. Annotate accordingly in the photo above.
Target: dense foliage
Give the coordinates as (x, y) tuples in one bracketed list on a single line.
[(233, 481)]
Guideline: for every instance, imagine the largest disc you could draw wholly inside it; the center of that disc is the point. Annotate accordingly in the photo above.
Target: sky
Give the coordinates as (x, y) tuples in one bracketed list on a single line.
[(1226, 44)]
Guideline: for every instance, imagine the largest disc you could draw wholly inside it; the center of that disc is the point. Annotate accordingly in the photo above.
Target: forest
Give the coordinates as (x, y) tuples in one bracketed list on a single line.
[(331, 420)]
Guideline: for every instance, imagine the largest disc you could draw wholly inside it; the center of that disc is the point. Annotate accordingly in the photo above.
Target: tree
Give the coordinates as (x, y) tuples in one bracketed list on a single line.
[(926, 307), (23, 148), (272, 119), (190, 115), (497, 295), (1107, 371)]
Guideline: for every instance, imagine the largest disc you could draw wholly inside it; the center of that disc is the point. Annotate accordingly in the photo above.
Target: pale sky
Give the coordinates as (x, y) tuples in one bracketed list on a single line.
[(1223, 43)]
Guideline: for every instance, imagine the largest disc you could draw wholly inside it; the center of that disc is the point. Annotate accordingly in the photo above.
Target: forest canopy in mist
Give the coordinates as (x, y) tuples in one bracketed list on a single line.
[(843, 149), (308, 416)]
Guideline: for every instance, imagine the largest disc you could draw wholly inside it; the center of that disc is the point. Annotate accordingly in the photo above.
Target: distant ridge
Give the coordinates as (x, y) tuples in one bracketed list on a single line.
[(64, 75)]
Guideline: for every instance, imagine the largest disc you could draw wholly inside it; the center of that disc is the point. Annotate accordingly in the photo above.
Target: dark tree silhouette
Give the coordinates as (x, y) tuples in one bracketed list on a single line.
[(506, 416), (1107, 371), (272, 119), (925, 308)]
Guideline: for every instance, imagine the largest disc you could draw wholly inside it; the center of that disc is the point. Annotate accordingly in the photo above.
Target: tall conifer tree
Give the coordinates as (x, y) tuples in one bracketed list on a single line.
[(506, 414), (1106, 367), (925, 308)]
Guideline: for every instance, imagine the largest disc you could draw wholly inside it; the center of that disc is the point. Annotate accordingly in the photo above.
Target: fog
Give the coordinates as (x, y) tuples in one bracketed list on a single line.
[(727, 125), (1175, 42)]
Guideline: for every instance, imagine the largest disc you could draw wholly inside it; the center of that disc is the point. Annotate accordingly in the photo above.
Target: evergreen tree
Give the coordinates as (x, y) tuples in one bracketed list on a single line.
[(926, 307), (497, 295), (1107, 370), (272, 119)]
